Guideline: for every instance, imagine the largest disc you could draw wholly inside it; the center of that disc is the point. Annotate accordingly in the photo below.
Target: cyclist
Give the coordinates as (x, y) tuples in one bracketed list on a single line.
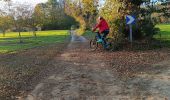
[(103, 27)]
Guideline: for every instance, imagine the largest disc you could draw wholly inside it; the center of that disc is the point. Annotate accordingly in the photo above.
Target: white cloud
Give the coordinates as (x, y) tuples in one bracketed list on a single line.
[(32, 2)]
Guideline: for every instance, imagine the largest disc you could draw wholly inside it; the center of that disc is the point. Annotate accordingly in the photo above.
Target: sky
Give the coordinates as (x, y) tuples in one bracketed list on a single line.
[(32, 2)]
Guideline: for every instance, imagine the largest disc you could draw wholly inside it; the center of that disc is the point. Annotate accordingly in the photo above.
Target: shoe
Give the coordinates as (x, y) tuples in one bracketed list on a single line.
[(99, 40), (106, 46)]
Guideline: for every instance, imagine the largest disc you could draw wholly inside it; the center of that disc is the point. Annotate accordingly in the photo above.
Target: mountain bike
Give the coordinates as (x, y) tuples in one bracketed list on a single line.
[(94, 45)]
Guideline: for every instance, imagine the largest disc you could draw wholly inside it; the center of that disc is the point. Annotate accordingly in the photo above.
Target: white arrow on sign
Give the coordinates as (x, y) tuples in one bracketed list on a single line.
[(131, 19)]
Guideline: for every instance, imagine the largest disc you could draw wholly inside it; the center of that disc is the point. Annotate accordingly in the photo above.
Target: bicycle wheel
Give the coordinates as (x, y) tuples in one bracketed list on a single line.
[(109, 42), (93, 44)]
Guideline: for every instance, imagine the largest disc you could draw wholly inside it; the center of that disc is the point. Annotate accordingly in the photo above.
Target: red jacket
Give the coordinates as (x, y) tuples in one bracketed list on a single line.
[(102, 25)]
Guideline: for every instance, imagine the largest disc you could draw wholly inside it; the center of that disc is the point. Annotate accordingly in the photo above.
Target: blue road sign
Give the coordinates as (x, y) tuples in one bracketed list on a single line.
[(130, 19)]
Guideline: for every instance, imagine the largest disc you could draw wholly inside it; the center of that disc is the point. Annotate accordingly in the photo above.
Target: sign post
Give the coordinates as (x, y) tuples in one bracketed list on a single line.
[(129, 21), (131, 37)]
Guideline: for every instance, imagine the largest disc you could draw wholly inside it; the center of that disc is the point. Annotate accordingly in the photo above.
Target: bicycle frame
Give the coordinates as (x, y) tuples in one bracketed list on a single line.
[(104, 45), (97, 37), (94, 42)]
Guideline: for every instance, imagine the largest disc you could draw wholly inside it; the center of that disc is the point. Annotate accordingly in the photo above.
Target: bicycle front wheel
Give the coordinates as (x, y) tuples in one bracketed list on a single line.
[(93, 44)]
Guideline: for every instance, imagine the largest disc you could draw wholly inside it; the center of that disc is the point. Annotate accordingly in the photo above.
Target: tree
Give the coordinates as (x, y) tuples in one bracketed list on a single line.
[(5, 19), (162, 15), (73, 8), (53, 15), (5, 0), (20, 14), (52, 6), (36, 19), (84, 11), (116, 10), (5, 23), (90, 11)]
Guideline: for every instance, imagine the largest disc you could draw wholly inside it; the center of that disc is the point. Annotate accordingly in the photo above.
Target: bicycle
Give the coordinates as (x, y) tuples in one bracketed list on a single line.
[(94, 45)]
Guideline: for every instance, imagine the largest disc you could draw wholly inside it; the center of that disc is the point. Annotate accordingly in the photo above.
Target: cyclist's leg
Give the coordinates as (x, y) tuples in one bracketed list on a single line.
[(99, 37), (105, 33)]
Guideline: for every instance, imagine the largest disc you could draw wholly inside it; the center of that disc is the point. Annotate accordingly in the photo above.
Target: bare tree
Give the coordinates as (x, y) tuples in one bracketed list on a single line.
[(5, 19), (20, 14), (5, 23)]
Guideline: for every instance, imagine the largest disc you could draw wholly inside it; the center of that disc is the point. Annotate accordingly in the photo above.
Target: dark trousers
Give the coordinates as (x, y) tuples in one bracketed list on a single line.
[(104, 35)]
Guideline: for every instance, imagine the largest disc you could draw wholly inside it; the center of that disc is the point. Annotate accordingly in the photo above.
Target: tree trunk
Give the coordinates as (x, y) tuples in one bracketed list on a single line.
[(20, 38), (34, 33), (3, 33)]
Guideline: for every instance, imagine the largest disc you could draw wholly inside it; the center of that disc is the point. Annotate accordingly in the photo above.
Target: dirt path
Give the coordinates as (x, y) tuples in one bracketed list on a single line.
[(79, 74), (80, 77)]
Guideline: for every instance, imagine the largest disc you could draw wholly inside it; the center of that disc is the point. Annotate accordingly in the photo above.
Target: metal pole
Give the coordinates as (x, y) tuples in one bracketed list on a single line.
[(131, 39)]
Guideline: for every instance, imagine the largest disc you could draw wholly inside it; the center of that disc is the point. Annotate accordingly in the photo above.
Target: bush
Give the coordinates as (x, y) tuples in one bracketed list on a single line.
[(145, 29), (115, 14)]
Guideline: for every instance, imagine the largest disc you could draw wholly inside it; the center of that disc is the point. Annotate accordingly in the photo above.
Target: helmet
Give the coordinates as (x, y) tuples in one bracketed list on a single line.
[(100, 17)]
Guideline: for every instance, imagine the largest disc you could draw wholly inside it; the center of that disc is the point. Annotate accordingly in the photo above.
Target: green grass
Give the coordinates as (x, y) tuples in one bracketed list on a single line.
[(164, 31), (89, 34), (10, 43), (164, 35)]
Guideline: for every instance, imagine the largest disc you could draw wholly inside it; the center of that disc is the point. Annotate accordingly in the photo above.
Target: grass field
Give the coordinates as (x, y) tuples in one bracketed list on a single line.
[(164, 30), (164, 35), (10, 43)]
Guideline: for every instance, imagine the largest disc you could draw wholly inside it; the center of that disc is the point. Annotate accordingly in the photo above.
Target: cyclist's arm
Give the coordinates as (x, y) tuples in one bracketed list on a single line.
[(97, 26)]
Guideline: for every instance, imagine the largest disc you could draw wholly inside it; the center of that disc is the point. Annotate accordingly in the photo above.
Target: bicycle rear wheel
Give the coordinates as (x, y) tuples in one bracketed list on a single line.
[(109, 42), (93, 44)]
